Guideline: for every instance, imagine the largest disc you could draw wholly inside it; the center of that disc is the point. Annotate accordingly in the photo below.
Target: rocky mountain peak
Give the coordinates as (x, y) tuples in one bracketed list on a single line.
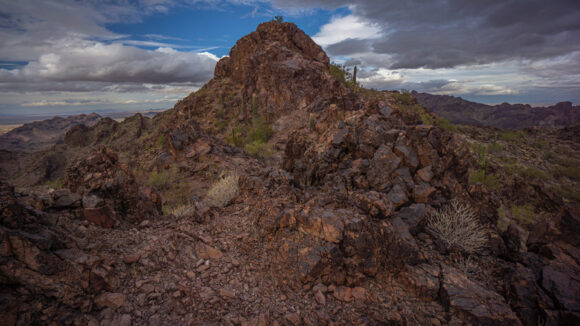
[(271, 43)]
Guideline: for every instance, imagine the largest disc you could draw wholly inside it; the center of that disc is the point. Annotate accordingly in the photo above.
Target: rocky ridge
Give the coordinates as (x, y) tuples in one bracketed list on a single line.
[(508, 116), (43, 134), (329, 231)]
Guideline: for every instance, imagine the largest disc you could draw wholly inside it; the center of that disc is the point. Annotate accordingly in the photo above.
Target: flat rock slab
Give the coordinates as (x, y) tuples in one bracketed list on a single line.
[(476, 303)]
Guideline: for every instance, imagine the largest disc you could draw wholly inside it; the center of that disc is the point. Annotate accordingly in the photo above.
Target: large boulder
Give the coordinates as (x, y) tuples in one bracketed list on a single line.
[(102, 176)]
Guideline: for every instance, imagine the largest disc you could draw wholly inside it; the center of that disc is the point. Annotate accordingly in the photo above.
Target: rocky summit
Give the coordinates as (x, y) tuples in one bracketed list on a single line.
[(279, 194)]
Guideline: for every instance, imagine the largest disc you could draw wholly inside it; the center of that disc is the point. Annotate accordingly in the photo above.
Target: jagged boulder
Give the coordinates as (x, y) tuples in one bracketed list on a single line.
[(109, 190)]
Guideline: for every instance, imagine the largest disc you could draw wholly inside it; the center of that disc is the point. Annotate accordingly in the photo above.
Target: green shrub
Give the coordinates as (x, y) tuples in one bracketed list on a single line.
[(513, 136), (446, 124), (404, 97), (236, 136), (490, 180), (569, 192), (524, 214), (495, 147), (259, 149), (569, 172), (457, 226), (342, 75), (533, 173), (161, 180), (161, 140), (55, 183), (260, 130)]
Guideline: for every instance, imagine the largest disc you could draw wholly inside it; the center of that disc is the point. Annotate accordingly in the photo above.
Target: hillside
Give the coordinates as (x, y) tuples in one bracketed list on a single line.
[(39, 135), (507, 116), (278, 194)]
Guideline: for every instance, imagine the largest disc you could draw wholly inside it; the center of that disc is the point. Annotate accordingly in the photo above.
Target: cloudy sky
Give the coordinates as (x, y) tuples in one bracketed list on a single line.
[(69, 56)]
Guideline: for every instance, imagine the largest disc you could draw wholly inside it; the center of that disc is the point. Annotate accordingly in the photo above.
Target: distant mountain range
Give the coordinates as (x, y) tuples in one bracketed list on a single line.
[(42, 134), (509, 116)]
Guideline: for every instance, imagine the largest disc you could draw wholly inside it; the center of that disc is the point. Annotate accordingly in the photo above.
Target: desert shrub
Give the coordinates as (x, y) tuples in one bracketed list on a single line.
[(570, 172), (161, 140), (182, 210), (446, 124), (311, 121), (259, 149), (570, 192), (55, 183), (342, 75), (503, 220), (404, 97), (526, 172), (162, 180), (236, 136), (524, 214), (495, 147), (260, 130), (223, 191), (158, 180), (533, 173), (513, 136), (457, 226), (490, 180)]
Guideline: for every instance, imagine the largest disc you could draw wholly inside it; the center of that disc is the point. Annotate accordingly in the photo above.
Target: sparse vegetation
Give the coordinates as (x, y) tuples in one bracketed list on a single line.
[(55, 183), (311, 121), (516, 137), (259, 149), (223, 191), (457, 226), (524, 214), (446, 124), (161, 180), (182, 211), (343, 75), (490, 180), (253, 138)]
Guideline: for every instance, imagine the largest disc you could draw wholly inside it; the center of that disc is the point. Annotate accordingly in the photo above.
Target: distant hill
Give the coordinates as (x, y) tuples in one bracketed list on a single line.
[(509, 116), (42, 134)]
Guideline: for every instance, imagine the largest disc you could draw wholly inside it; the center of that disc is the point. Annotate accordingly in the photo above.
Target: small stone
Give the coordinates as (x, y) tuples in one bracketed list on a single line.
[(320, 298), (226, 294), (131, 259), (207, 252), (343, 293), (203, 268), (190, 275), (359, 293), (294, 318), (320, 287), (111, 300)]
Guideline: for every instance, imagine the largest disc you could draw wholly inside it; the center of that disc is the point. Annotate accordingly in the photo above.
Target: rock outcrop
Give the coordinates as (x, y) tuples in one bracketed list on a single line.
[(109, 190)]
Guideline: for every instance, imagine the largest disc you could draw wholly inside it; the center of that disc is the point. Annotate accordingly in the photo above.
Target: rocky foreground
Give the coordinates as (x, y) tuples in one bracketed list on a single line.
[(330, 230)]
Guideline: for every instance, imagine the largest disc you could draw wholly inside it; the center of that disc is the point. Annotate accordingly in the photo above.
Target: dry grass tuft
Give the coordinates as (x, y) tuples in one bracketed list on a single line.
[(457, 226), (183, 211), (223, 191)]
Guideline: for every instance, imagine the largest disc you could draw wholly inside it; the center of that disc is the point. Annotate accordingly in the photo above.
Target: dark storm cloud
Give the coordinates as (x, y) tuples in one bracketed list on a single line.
[(348, 46), (449, 33)]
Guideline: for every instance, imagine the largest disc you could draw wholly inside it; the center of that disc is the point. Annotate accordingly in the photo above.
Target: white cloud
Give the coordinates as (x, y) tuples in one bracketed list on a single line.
[(347, 27)]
